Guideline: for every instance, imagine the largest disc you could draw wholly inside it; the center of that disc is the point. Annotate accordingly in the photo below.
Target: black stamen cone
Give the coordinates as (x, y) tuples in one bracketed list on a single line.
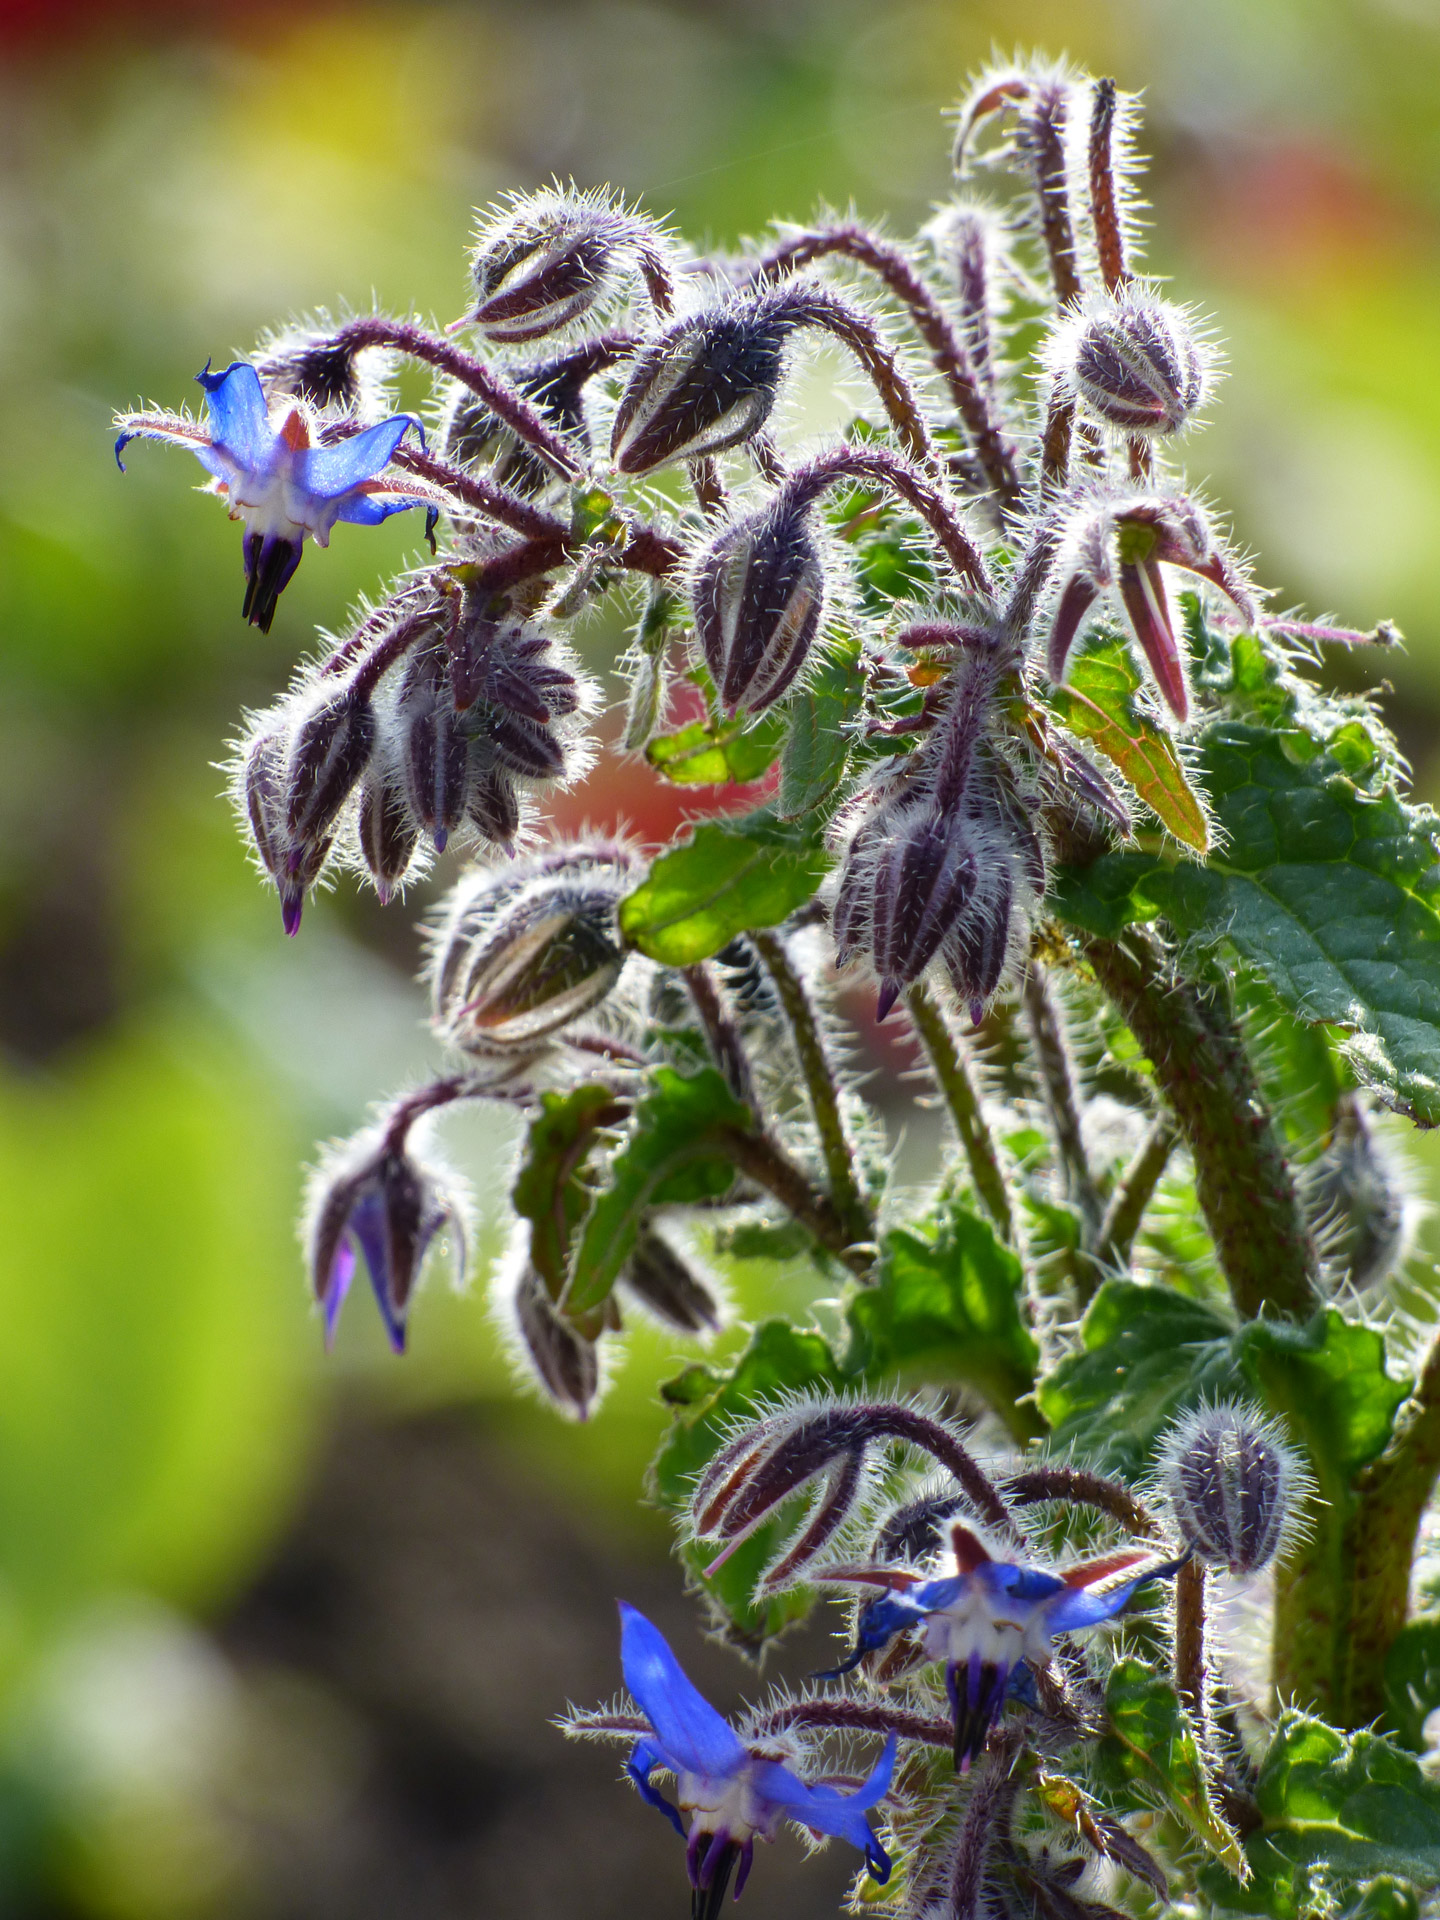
[(269, 565), (707, 1903)]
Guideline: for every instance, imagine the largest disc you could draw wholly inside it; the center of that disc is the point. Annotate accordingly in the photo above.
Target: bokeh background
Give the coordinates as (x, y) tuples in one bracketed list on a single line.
[(280, 1636)]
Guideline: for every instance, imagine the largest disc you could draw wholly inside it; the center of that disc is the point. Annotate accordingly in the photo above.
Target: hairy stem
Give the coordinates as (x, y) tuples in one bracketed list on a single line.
[(1082, 1488), (726, 1046), (757, 1155), (1133, 1193), (1393, 1495), (1057, 1079), (948, 352), (819, 1076), (918, 490), (1243, 1181), (485, 496), (505, 401), (1190, 1639), (1104, 200), (963, 1104), (1045, 139), (813, 306)]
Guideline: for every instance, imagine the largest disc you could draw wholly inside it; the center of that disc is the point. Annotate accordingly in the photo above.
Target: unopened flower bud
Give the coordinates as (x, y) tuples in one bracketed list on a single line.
[(977, 947), (433, 748), (1233, 1484), (473, 435), (660, 1280), (566, 1365), (293, 860), (707, 383), (492, 805), (530, 948), (1358, 1194), (924, 874), (545, 264), (314, 366), (373, 1199), (758, 595), (330, 751), (1135, 361), (386, 831)]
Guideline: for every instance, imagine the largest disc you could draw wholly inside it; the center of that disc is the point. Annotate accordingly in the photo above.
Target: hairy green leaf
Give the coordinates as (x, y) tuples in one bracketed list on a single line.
[(1097, 703), (1150, 1746), (1324, 880), (947, 1307), (820, 716), (718, 753), (723, 881), (548, 1190), (674, 1153)]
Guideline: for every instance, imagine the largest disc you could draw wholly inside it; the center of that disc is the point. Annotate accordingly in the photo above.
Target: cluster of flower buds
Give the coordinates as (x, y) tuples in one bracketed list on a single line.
[(944, 863), (1234, 1485), (527, 949), (430, 720)]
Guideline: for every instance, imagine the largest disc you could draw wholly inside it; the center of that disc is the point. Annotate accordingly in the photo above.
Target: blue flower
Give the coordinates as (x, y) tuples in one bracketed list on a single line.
[(273, 479), (732, 1792), (985, 1619)]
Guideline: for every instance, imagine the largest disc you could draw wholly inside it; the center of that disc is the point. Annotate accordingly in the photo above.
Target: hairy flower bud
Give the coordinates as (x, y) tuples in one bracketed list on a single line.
[(293, 860), (661, 1281), (1233, 1484), (758, 595), (314, 366), (330, 751), (386, 831), (433, 746), (922, 878), (472, 434), (543, 266), (492, 805), (707, 383), (565, 1364), (528, 949), (372, 1199), (1134, 361)]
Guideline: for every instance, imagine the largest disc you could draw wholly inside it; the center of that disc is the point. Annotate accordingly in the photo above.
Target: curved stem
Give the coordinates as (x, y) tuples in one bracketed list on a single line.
[(1082, 1489), (1243, 1181), (1045, 140), (1393, 1495), (807, 305), (485, 496), (757, 1155), (505, 401), (948, 352), (963, 1104), (1104, 198), (819, 1076), (844, 1713), (1052, 1058), (918, 490)]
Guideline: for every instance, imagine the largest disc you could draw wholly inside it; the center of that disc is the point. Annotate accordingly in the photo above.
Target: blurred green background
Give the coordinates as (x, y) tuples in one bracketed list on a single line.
[(279, 1636)]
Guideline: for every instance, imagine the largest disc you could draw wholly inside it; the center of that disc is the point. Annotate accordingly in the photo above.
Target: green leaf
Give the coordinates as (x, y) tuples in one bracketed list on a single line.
[(723, 881), (1147, 1353), (779, 1359), (821, 716), (1150, 1746), (674, 1153), (1325, 881), (718, 753), (1354, 1806), (1412, 1679), (1098, 705), (946, 1308), (548, 1190)]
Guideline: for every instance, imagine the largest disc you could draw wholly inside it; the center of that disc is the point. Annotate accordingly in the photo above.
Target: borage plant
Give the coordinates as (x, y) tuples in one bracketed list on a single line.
[(1034, 762)]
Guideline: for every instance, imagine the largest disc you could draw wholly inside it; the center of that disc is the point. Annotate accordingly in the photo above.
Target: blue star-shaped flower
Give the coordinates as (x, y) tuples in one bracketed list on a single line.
[(984, 1619), (732, 1792), (276, 481)]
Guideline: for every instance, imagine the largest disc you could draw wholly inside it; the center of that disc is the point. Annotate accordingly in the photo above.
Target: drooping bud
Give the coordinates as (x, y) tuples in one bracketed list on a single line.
[(492, 805), (1134, 361), (328, 755), (472, 434), (542, 266), (922, 878), (758, 596), (1359, 1195), (293, 860), (565, 1364), (387, 832), (433, 746), (977, 947), (528, 949), (1233, 1484), (661, 1281), (313, 365), (373, 1199), (709, 382)]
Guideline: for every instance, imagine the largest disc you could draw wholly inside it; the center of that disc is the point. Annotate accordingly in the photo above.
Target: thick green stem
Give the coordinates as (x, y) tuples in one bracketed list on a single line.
[(757, 1155), (1242, 1180), (1393, 1495), (819, 1076), (958, 1092)]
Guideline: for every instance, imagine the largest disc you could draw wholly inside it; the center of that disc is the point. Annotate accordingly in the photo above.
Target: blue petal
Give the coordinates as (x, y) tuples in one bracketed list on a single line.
[(327, 472), (1020, 1583), (364, 510), (645, 1756), (239, 419), (933, 1596), (690, 1730), (369, 1225), (827, 1810)]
